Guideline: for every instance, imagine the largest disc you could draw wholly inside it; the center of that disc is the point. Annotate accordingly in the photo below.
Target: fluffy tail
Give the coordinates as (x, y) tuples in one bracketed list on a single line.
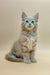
[(13, 58)]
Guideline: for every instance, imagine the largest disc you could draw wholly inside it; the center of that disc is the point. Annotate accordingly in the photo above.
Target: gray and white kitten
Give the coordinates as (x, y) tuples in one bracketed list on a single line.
[(24, 48)]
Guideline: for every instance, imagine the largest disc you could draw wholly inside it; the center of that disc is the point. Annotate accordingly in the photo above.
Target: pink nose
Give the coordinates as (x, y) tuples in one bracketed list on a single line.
[(29, 24)]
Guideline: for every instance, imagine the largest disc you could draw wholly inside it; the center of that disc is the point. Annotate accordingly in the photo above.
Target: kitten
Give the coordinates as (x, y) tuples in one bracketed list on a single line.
[(24, 48)]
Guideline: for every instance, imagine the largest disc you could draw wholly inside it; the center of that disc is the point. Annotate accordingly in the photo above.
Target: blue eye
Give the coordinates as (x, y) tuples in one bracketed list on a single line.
[(32, 21), (27, 21)]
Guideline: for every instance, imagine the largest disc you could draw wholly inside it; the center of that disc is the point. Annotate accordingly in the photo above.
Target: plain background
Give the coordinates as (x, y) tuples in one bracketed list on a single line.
[(10, 27), (10, 21)]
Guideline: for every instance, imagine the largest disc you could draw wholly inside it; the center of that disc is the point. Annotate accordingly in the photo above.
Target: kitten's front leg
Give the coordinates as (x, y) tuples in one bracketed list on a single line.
[(32, 57), (26, 58)]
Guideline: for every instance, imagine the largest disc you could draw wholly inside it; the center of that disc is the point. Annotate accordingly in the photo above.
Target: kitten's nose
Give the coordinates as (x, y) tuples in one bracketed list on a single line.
[(29, 24)]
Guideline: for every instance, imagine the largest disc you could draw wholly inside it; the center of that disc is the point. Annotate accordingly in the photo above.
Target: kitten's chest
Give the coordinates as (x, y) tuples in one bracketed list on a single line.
[(30, 42)]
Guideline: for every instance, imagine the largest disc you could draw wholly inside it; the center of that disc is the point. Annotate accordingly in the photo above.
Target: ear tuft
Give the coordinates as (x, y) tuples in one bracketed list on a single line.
[(36, 16), (23, 15)]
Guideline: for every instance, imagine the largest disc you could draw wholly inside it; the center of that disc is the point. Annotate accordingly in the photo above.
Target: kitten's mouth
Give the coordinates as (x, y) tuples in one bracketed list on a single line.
[(29, 26)]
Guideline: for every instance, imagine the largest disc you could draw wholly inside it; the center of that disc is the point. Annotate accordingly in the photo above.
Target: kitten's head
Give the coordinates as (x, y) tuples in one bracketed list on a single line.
[(29, 22)]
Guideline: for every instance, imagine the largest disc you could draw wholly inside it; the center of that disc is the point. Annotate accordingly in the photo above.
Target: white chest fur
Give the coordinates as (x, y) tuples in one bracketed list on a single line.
[(30, 42)]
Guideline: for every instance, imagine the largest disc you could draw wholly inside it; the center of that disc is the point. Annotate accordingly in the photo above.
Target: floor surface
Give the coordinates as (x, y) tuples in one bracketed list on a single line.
[(42, 67)]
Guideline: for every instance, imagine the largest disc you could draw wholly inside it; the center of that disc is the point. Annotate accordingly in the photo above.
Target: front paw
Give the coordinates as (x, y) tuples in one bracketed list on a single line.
[(33, 60), (27, 61)]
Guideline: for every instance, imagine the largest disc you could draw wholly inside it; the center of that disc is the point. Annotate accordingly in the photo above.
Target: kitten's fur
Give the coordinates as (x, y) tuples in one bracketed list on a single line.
[(24, 48)]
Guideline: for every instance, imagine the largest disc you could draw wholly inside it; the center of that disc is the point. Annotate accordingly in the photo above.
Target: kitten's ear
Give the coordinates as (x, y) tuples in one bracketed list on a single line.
[(36, 16), (23, 15)]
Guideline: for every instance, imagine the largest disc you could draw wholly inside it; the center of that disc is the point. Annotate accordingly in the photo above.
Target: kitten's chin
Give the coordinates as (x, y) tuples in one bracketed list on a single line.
[(29, 29)]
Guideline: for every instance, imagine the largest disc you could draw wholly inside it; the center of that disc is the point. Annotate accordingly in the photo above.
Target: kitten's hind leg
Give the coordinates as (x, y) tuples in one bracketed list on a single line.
[(11, 57)]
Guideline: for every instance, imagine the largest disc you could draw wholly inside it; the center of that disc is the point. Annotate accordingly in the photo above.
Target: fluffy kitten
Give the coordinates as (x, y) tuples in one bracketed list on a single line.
[(24, 48)]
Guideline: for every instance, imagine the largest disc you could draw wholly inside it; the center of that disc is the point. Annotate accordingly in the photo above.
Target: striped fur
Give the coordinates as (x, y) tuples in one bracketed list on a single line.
[(24, 48)]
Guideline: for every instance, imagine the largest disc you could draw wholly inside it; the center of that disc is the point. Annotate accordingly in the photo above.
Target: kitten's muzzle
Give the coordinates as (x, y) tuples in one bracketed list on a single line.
[(29, 26)]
